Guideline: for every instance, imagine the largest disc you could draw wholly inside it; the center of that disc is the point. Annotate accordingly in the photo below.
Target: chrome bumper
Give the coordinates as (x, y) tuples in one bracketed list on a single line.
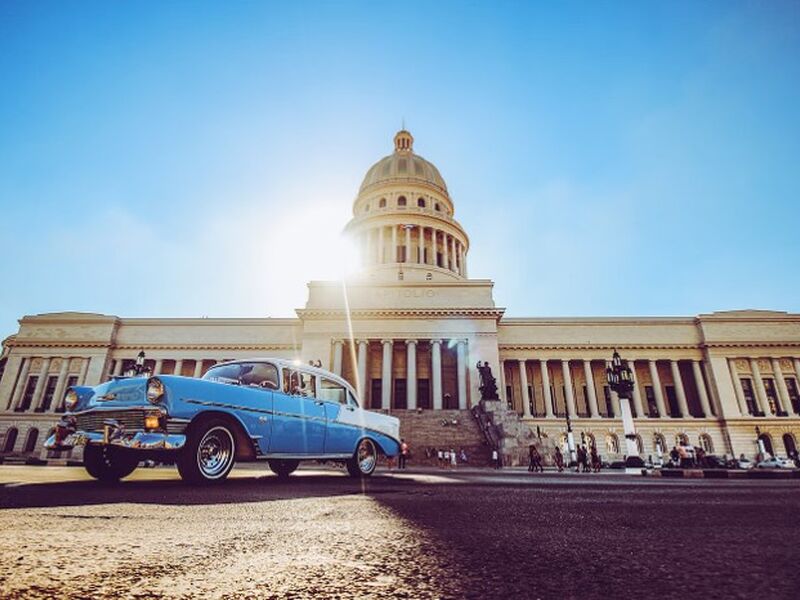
[(139, 440)]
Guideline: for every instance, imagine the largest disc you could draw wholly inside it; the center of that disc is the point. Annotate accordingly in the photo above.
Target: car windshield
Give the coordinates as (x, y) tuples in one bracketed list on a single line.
[(256, 374)]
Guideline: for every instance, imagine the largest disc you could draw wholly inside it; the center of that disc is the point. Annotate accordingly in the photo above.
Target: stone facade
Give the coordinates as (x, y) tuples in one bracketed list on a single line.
[(409, 328)]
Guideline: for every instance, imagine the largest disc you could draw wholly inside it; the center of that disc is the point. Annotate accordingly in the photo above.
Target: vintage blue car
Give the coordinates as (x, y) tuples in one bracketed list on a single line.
[(243, 410)]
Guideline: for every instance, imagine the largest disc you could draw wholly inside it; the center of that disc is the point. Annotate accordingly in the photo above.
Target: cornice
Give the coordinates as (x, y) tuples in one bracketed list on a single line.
[(401, 313), (603, 346)]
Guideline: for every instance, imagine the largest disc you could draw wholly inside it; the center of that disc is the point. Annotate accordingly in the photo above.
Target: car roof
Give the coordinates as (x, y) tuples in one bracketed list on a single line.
[(296, 365)]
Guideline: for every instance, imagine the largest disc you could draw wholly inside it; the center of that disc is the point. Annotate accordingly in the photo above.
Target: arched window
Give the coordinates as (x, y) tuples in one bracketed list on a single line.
[(382, 203), (421, 202), (401, 201), (766, 440), (789, 444), (612, 443), (11, 440), (437, 207), (681, 439), (706, 443), (30, 442)]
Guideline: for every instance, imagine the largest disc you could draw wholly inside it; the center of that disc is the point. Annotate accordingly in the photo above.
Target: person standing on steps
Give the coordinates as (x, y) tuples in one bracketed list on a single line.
[(559, 459)]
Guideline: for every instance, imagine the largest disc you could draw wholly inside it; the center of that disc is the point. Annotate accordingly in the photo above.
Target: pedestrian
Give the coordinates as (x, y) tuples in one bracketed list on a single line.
[(683, 456), (674, 457), (440, 457), (463, 456), (559, 459), (445, 458), (403, 454), (584, 459), (595, 459), (453, 458), (495, 459), (535, 459)]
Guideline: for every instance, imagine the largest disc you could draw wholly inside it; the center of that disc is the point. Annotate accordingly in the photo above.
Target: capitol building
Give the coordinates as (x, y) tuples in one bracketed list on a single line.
[(409, 328)]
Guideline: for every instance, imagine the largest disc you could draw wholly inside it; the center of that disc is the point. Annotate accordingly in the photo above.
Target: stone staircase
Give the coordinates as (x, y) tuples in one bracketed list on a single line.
[(442, 429)]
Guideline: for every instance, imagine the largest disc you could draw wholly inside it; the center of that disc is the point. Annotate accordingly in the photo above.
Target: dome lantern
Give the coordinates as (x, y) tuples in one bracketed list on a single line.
[(403, 141)]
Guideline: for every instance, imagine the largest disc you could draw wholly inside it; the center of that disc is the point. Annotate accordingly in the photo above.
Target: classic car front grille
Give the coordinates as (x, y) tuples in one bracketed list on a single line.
[(132, 420)]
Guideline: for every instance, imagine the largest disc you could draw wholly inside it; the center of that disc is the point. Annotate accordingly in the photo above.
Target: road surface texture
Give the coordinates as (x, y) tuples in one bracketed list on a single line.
[(445, 534)]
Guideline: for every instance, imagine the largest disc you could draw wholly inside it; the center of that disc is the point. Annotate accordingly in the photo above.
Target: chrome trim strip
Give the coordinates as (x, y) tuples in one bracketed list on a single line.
[(341, 456)]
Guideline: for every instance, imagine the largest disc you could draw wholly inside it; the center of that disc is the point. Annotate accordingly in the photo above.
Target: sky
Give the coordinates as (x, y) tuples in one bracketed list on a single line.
[(200, 159)]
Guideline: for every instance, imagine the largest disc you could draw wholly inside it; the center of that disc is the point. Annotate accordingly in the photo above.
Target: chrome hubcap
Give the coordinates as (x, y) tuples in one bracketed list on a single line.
[(366, 456), (215, 452)]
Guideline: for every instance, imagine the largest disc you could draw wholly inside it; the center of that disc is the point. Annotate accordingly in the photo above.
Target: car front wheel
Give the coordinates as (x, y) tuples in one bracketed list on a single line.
[(209, 453), (364, 459), (107, 463), (283, 468)]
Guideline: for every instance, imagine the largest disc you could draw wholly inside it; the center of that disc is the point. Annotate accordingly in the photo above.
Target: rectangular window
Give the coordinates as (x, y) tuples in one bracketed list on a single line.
[(439, 259), (401, 254), (27, 395), (750, 397), (772, 397), (794, 395), (423, 393), (652, 405), (672, 401), (376, 393), (49, 392), (531, 405), (400, 396), (509, 397), (609, 403)]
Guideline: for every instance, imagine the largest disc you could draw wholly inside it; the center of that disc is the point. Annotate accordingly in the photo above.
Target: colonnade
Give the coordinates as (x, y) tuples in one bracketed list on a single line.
[(412, 363), (773, 393), (49, 388), (527, 392), (421, 245)]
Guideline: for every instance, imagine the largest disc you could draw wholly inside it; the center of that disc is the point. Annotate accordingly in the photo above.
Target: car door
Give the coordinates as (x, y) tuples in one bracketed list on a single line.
[(257, 384), (341, 411), (298, 420)]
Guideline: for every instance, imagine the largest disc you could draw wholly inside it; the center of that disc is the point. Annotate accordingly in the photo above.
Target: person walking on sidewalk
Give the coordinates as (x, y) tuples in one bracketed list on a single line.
[(535, 460), (559, 458), (495, 459), (403, 454)]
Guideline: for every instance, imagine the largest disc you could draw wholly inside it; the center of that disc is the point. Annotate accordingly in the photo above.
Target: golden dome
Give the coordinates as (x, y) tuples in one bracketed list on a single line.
[(403, 166)]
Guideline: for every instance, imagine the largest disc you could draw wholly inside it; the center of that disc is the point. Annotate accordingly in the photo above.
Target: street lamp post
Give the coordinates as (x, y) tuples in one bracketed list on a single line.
[(620, 380)]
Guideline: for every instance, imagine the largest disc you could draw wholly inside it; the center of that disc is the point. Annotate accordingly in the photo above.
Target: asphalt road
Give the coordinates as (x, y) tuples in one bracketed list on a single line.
[(443, 534)]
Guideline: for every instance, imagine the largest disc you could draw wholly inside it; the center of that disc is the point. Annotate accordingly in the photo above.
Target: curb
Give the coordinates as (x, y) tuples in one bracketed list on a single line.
[(724, 474)]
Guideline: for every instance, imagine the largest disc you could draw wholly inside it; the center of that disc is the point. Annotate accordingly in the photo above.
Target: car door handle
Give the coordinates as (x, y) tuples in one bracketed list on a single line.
[(350, 408), (319, 402)]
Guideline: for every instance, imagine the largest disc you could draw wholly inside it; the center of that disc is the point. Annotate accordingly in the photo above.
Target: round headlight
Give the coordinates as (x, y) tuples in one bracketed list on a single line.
[(70, 399), (155, 389)]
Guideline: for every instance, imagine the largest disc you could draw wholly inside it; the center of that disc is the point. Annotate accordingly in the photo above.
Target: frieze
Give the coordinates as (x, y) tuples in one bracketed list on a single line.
[(36, 364), (55, 364), (764, 364), (786, 364), (742, 365), (75, 365)]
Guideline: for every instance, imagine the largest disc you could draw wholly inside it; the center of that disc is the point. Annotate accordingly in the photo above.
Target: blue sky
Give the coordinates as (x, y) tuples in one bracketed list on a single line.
[(606, 158)]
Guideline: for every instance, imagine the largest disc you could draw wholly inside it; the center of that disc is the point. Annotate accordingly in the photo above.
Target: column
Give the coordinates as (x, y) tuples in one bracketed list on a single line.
[(421, 257), (381, 244), (701, 388), (408, 244), (464, 262), (436, 373), (362, 371), (461, 374), (9, 379), (637, 394), (570, 396), (37, 393), (445, 252), (678, 383), (393, 251), (58, 394), (737, 386), (523, 385), (158, 366), (548, 399), (411, 374), (338, 347), (386, 374), (761, 393), (178, 366), (656, 381), (453, 253), (458, 257), (84, 370), (783, 392), (118, 367), (198, 368), (587, 373)]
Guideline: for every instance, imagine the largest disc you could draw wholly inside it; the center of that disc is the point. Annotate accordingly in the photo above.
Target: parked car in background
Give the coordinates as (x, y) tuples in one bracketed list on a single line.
[(742, 463), (776, 462), (245, 410), (711, 461)]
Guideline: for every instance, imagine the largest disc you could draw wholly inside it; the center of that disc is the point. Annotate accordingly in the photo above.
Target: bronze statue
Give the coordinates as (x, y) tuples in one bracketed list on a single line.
[(488, 386)]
